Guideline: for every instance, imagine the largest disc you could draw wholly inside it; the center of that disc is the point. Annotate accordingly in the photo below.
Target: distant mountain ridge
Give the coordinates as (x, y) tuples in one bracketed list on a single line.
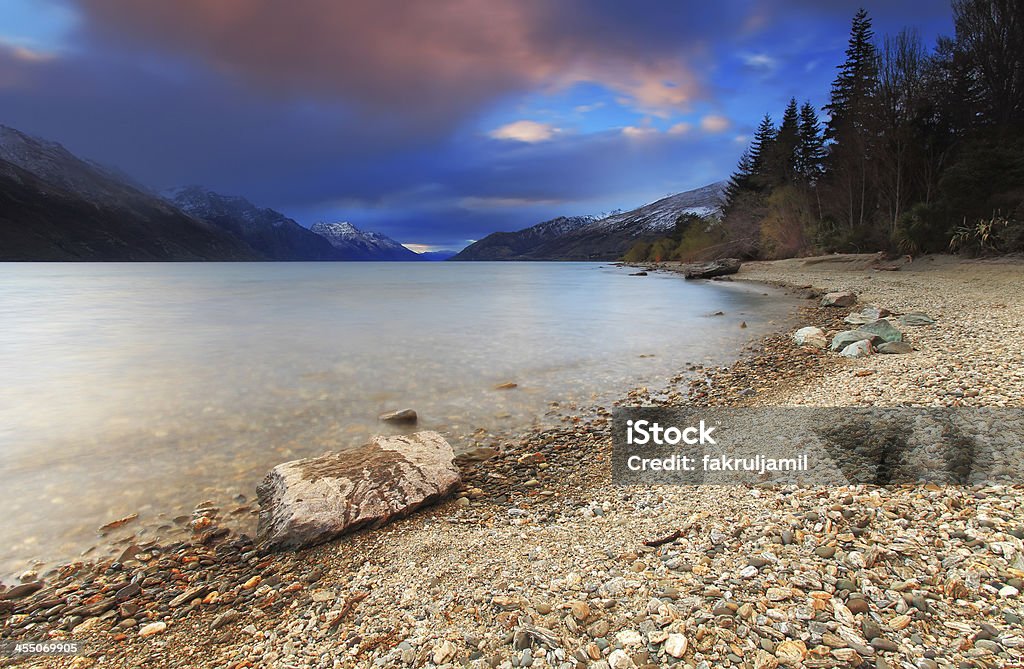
[(356, 244), (270, 232), (513, 245), (589, 238), (55, 206)]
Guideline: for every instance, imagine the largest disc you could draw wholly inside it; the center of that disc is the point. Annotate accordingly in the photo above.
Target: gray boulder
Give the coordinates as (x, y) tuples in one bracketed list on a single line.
[(810, 336), (847, 337), (712, 269), (916, 319), (310, 501), (895, 347), (869, 314), (882, 329), (839, 299), (858, 349)]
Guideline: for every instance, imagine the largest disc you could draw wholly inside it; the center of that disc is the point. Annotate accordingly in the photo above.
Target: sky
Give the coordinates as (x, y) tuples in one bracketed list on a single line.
[(434, 122)]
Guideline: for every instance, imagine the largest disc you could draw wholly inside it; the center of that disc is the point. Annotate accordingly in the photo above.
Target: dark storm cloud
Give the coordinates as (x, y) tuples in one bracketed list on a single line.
[(323, 107), (428, 61)]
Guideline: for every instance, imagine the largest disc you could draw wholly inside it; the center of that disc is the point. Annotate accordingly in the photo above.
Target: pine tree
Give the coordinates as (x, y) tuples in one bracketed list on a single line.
[(740, 179), (854, 87), (786, 144), (752, 171), (761, 151), (811, 150), (849, 128)]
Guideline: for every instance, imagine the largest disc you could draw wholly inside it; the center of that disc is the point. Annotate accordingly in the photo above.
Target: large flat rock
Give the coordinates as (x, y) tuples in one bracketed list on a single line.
[(715, 268), (310, 501)]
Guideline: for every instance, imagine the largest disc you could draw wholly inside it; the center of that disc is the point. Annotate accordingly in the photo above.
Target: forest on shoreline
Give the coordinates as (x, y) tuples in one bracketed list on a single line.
[(919, 152)]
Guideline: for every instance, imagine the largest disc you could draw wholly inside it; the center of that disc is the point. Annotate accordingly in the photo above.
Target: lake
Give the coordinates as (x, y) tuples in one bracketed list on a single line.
[(148, 388)]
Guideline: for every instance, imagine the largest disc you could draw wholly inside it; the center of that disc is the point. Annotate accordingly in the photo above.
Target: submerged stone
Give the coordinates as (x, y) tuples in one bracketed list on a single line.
[(399, 417)]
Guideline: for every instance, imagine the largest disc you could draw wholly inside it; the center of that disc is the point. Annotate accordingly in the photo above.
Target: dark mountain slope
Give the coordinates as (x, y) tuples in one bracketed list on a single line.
[(270, 232), (40, 221)]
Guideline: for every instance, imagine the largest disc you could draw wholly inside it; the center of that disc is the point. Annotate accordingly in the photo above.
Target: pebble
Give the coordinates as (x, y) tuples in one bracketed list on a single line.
[(580, 610), (443, 652), (675, 645), (884, 644), (225, 618), (858, 605)]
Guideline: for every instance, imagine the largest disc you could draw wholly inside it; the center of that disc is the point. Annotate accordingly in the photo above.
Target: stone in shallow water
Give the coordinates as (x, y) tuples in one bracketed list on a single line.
[(23, 590), (404, 416), (307, 502)]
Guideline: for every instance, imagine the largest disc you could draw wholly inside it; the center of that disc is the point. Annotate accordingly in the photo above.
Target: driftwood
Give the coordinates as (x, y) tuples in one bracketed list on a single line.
[(661, 541), (350, 604), (714, 268)]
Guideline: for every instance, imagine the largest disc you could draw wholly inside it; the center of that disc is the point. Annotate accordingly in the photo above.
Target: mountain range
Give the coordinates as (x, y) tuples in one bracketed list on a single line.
[(597, 238), (55, 206), (269, 232), (355, 244)]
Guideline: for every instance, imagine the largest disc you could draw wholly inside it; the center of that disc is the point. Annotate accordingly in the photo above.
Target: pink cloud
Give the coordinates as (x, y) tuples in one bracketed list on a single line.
[(715, 123), (421, 58), (525, 131)]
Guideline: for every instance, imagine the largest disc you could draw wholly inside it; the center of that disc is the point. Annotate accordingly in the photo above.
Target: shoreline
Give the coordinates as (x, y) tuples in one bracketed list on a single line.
[(202, 432), (538, 537)]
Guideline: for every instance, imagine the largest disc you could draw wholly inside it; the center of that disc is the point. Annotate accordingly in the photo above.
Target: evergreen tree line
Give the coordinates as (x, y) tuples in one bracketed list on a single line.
[(919, 151)]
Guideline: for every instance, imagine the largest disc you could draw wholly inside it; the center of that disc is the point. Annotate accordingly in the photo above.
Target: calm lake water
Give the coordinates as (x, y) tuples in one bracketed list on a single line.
[(147, 388)]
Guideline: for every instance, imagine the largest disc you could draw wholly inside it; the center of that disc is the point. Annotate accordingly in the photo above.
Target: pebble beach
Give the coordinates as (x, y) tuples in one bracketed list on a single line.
[(540, 561)]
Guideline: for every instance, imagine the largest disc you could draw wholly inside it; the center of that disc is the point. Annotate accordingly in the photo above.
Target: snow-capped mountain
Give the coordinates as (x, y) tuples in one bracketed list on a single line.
[(356, 244), (56, 206), (660, 216), (510, 245), (589, 238), (268, 231)]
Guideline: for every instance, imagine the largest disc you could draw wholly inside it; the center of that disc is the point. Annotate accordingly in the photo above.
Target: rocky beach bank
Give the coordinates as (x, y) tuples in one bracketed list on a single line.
[(538, 560)]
